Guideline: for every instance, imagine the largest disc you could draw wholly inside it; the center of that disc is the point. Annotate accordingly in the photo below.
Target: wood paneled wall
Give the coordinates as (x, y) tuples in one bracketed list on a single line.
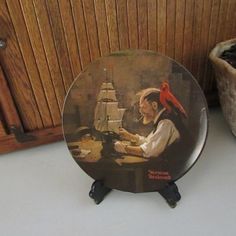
[(50, 41)]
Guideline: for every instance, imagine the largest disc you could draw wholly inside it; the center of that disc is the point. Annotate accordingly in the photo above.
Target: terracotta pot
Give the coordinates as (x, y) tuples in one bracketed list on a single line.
[(226, 82)]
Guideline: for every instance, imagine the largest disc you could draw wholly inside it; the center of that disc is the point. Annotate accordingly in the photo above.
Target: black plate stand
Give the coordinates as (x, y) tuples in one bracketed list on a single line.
[(98, 191), (170, 193)]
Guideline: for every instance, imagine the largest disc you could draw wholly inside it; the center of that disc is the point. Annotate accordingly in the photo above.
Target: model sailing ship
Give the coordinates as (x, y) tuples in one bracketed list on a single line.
[(108, 115), (108, 118)]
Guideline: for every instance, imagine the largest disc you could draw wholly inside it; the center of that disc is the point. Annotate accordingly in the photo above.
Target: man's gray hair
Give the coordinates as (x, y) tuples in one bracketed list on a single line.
[(145, 93)]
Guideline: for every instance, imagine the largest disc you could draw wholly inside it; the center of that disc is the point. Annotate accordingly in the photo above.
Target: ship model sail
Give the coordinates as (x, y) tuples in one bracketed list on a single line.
[(108, 115)]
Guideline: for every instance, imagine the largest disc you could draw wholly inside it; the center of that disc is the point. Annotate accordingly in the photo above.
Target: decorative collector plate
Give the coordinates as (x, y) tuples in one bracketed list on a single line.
[(136, 120)]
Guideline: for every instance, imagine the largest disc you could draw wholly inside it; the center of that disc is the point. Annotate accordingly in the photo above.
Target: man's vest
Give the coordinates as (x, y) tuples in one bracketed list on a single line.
[(174, 158)]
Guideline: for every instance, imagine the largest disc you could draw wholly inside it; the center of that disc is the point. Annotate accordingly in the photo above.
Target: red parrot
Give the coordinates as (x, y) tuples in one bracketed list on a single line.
[(166, 97)]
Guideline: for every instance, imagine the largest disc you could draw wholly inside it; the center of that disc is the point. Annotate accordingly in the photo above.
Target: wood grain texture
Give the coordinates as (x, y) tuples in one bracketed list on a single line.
[(91, 26), (233, 23), (196, 46), (40, 59), (9, 112), (179, 30), (112, 25), (223, 26), (16, 75), (9, 143), (170, 28), (3, 124), (81, 34), (2, 129), (221, 21), (188, 33), (162, 14), (230, 20), (152, 24), (132, 14), (101, 19), (60, 42), (142, 24), (70, 36), (50, 50), (122, 21), (29, 60), (208, 73), (206, 15)]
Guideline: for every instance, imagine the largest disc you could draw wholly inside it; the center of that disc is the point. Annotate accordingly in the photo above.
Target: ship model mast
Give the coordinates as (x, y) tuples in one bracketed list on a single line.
[(108, 115)]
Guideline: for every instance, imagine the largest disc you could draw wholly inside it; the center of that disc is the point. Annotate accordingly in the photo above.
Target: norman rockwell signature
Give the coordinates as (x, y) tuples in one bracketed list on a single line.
[(158, 175)]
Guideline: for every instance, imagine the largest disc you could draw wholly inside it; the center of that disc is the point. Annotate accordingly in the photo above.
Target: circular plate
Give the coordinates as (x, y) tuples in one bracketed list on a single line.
[(136, 120)]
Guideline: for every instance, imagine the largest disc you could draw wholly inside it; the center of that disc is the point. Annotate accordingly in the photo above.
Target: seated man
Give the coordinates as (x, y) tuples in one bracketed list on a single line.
[(161, 137)]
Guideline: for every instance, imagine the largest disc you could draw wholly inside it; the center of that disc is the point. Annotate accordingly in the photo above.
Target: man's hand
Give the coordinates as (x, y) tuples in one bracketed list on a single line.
[(124, 134), (119, 147)]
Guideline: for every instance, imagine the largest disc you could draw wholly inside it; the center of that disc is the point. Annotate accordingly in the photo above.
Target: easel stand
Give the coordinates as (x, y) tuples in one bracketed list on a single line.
[(170, 193)]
